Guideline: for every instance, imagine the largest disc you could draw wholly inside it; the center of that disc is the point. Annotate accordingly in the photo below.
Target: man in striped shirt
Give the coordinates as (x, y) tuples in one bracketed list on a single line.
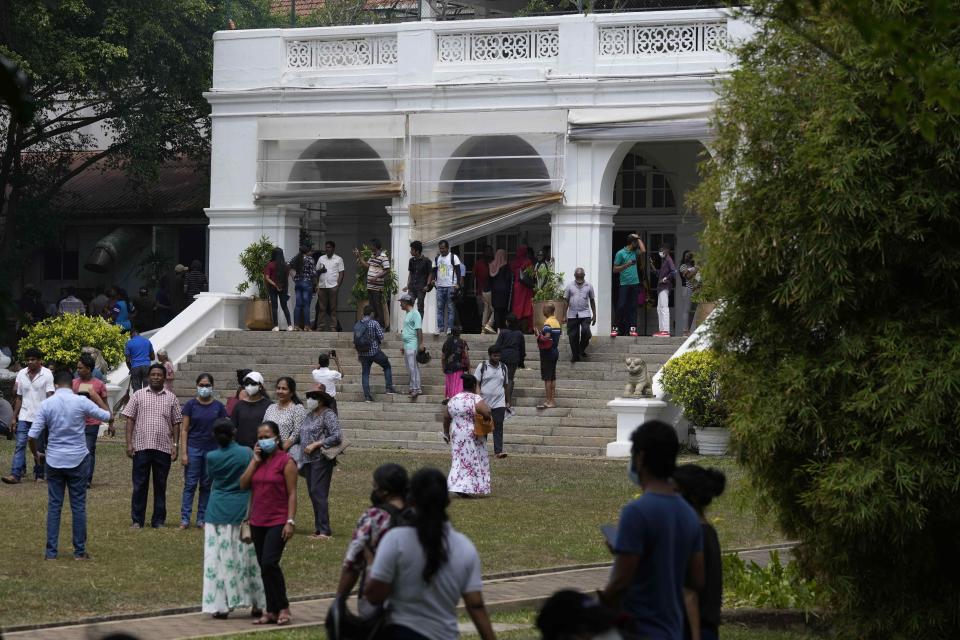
[(378, 270), (153, 426)]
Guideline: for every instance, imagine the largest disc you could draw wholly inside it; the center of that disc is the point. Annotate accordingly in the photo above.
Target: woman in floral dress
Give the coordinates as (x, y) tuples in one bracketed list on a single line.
[(231, 575), (288, 412), (470, 467)]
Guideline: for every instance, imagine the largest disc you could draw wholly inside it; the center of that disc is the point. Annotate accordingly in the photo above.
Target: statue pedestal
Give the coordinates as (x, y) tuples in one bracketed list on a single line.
[(631, 413)]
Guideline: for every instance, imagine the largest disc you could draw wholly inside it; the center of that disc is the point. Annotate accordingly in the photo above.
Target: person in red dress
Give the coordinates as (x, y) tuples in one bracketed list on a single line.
[(522, 306)]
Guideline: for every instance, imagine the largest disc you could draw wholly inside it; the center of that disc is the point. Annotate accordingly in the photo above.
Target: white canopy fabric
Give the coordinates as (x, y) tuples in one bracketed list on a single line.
[(673, 122)]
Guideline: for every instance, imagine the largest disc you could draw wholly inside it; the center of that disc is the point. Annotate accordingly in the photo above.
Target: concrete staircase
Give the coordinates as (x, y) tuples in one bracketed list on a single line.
[(580, 425)]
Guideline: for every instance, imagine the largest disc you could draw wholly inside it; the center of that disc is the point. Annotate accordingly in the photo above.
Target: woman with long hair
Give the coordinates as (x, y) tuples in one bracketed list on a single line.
[(231, 575), (470, 465), (200, 414), (272, 478), (320, 430), (501, 284), (275, 275), (288, 412), (522, 303), (424, 570), (456, 360)]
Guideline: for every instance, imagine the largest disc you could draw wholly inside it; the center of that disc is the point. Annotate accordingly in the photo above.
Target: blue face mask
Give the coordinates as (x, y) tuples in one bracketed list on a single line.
[(267, 445), (204, 392)]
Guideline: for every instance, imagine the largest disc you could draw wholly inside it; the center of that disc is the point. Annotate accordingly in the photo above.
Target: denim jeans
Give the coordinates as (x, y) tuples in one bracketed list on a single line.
[(444, 308), (90, 433), (74, 480), (149, 462), (627, 307), (195, 475), (301, 312), (366, 362), (18, 468)]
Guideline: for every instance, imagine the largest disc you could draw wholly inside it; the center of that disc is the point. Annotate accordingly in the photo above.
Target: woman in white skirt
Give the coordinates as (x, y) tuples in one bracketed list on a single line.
[(231, 575)]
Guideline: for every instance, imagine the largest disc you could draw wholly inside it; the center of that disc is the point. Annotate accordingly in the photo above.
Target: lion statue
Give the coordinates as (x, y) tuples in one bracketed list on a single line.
[(639, 383)]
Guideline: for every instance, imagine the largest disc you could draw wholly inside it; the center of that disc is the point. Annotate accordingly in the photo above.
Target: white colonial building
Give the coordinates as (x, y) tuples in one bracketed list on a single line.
[(568, 131)]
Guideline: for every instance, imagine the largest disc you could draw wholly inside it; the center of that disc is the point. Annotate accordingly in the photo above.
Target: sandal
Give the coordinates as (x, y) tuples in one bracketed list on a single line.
[(221, 615), (319, 536), (501, 455), (283, 619), (265, 619)]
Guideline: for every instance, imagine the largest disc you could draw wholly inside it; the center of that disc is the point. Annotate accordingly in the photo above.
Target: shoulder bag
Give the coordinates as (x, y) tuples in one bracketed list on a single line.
[(246, 535), (482, 426), (331, 453)]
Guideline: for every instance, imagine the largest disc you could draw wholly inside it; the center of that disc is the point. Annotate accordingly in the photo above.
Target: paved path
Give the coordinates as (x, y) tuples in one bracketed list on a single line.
[(499, 593)]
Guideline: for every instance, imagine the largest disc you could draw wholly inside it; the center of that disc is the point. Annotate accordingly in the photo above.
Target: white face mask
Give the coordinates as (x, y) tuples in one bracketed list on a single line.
[(252, 389), (312, 404), (660, 253)]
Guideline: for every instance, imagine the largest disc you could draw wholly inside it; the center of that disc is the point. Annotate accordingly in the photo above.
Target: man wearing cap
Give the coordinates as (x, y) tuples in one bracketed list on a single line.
[(412, 335), (625, 264)]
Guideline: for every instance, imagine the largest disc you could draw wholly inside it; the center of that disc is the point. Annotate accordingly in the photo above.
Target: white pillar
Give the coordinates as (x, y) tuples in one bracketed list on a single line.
[(231, 230), (583, 237), (399, 256)]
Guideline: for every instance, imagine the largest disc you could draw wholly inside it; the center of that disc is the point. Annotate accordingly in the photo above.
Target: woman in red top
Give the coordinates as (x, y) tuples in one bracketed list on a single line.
[(275, 276), (522, 306), (272, 475)]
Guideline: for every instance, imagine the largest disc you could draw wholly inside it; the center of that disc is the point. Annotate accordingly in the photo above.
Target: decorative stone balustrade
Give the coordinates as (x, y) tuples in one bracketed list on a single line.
[(341, 53), (641, 40), (499, 46)]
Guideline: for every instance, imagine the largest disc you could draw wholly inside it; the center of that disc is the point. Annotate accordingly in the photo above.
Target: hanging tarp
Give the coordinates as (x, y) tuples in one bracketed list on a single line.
[(289, 193), (683, 122), (460, 220)]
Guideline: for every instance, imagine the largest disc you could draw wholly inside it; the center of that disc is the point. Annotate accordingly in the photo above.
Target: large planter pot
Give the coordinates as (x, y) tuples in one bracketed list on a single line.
[(560, 313), (365, 302), (713, 442), (704, 309), (258, 316)]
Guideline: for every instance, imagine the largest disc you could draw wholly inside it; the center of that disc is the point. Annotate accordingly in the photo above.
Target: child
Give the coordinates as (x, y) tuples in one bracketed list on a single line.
[(164, 359), (548, 341), (699, 487)]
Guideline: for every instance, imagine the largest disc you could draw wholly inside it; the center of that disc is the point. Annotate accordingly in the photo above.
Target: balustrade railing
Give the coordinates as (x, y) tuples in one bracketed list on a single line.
[(341, 53), (499, 46), (641, 40)]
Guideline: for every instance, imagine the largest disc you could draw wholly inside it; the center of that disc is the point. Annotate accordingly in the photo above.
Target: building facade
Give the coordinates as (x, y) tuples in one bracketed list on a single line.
[(567, 132)]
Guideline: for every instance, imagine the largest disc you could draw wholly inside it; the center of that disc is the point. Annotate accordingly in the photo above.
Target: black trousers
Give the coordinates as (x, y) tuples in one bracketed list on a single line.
[(319, 475), (499, 317), (146, 464), (377, 300), (498, 415), (268, 543), (578, 330)]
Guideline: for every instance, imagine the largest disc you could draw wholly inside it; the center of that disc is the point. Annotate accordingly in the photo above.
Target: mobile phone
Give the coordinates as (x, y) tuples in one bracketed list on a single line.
[(333, 353), (609, 532)]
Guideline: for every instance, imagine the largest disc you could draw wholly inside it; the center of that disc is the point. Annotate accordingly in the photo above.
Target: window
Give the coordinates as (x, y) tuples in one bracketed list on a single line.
[(641, 185), (61, 265), (470, 252)]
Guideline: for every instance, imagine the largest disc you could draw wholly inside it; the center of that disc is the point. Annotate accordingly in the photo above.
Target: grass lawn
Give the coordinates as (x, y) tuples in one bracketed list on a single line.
[(545, 512)]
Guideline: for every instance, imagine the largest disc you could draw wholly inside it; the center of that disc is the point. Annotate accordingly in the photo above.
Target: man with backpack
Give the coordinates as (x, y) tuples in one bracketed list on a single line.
[(446, 277), (494, 386), (367, 336)]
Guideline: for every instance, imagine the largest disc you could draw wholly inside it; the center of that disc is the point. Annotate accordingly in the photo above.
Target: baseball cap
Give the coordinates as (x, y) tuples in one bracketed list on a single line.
[(633, 236), (406, 298), (255, 376)]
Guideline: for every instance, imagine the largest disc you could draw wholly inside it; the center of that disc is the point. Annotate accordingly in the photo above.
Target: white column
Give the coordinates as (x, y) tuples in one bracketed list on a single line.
[(233, 229), (582, 236), (399, 256)]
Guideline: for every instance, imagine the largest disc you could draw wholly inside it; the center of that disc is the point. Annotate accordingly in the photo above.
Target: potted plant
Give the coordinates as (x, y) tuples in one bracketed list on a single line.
[(692, 381), (549, 289), (254, 260), (358, 294)]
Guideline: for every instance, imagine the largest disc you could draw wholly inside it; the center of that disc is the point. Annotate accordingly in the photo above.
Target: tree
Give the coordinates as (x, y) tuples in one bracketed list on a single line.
[(136, 69), (833, 224)]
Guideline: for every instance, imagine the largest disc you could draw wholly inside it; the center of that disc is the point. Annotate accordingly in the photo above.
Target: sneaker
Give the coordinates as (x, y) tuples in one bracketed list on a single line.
[(438, 333), (83, 556), (289, 328), (614, 333), (662, 334), (390, 392), (276, 329), (633, 332), (10, 479), (136, 526), (368, 398)]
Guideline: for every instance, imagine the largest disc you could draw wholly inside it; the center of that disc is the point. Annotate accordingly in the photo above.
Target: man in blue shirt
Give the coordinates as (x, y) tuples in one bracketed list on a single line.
[(659, 543), (139, 355), (67, 459)]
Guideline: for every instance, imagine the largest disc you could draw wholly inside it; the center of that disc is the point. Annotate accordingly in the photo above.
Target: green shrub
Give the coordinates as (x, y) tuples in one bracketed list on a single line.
[(61, 338), (776, 586), (691, 379), (358, 293), (550, 285), (834, 250), (254, 260)]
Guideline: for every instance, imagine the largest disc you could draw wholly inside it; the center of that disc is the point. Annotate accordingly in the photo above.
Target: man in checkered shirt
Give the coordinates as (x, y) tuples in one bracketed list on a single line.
[(153, 429), (374, 336)]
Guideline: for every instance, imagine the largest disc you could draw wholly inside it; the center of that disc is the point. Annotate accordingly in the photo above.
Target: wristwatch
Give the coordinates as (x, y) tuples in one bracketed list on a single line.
[(290, 521)]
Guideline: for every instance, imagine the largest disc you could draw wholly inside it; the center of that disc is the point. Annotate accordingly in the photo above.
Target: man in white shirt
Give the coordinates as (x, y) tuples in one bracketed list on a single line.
[(446, 277), (71, 303), (330, 272), (328, 377), (494, 383), (33, 385)]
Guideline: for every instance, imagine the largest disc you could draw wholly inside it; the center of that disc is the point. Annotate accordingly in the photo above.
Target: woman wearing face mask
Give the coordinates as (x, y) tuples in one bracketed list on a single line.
[(196, 440), (231, 575), (320, 430), (288, 412), (248, 413), (272, 477)]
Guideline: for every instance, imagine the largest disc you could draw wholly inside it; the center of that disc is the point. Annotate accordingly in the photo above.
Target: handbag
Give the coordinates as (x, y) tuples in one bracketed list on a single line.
[(331, 453), (246, 534), (482, 425), (343, 624)]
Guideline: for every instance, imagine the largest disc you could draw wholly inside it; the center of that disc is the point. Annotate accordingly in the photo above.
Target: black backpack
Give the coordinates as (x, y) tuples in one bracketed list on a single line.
[(361, 336)]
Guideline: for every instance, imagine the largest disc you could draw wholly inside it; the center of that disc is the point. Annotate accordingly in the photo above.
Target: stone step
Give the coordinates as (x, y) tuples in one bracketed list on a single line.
[(524, 449), (226, 378), (510, 426), (428, 416), (509, 438)]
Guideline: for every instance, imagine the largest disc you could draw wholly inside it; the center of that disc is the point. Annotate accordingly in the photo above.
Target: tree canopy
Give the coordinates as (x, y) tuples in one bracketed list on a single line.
[(833, 227)]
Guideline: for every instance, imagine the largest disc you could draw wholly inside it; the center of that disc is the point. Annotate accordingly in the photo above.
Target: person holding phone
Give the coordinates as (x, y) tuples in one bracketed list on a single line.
[(625, 264)]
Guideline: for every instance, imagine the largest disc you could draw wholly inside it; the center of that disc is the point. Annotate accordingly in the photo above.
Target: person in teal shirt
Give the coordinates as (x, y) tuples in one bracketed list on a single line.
[(412, 335), (625, 264), (231, 574)]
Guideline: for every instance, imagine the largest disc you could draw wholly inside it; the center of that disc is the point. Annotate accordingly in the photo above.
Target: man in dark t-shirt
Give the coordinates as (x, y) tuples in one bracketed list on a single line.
[(659, 543), (418, 274)]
